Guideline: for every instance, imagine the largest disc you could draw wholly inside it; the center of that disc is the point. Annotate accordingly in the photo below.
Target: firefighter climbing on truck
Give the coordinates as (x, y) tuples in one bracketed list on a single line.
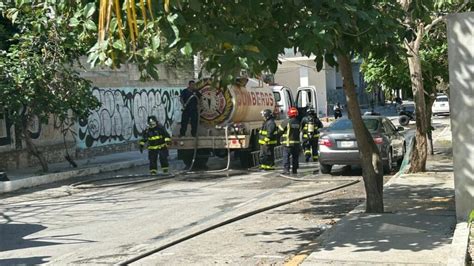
[(189, 98)]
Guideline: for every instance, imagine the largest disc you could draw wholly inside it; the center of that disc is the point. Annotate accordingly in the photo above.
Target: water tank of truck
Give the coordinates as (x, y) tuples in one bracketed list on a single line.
[(236, 103)]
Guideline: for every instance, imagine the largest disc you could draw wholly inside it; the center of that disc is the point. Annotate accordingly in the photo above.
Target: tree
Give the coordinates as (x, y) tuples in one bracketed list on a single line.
[(419, 19), (37, 76), (251, 35), (393, 72)]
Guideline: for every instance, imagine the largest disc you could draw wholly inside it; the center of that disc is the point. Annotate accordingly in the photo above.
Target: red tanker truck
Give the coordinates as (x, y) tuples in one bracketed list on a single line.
[(229, 121)]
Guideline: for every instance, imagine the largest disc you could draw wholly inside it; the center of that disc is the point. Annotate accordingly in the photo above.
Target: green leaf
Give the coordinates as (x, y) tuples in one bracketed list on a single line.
[(319, 63), (471, 217), (187, 49), (330, 59), (89, 10), (90, 25), (102, 56), (14, 15), (92, 59), (73, 22), (118, 44), (195, 5), (155, 42), (109, 62)]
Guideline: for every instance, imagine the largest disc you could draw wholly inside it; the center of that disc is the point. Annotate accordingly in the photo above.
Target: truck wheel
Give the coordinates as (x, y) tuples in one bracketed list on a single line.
[(187, 158), (404, 120), (246, 159), (201, 163), (325, 168)]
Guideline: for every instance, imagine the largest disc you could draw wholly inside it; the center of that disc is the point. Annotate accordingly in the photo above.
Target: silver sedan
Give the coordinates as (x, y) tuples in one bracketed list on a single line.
[(338, 145)]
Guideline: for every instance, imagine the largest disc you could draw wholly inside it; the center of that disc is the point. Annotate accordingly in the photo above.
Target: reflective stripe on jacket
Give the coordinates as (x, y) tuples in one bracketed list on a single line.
[(305, 127), (291, 132), (268, 133), (157, 138)]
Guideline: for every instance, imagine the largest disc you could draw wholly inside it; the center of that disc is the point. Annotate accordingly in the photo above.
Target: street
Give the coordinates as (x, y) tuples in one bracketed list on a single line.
[(97, 223), (107, 225)]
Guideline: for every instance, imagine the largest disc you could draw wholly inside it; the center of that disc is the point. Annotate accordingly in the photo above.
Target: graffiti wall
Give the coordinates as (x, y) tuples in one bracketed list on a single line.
[(123, 113)]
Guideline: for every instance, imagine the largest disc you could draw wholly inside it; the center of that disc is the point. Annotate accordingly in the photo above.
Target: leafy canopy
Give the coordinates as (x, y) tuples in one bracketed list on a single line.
[(249, 35), (37, 72)]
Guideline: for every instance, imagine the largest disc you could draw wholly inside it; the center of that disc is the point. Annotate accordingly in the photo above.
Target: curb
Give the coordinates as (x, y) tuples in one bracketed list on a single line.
[(9, 186), (459, 245)]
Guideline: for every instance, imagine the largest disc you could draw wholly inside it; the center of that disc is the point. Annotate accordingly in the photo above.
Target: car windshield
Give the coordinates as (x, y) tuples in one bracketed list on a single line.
[(442, 99), (346, 124), (408, 107)]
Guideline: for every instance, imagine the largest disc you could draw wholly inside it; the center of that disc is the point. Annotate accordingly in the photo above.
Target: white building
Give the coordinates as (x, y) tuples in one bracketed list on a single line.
[(296, 70)]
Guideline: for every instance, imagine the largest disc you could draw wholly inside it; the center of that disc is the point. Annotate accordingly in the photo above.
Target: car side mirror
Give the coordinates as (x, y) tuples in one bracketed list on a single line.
[(400, 128)]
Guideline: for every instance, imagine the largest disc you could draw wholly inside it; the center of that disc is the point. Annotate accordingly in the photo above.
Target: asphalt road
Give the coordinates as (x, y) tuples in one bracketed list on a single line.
[(60, 224)]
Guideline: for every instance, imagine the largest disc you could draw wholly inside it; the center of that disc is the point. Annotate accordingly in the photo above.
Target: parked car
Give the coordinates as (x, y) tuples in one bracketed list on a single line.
[(440, 105), (338, 145)]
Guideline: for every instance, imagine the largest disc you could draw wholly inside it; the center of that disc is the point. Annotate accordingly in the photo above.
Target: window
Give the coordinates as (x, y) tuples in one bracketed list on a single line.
[(303, 98), (442, 99), (346, 124), (277, 96), (290, 97), (388, 128)]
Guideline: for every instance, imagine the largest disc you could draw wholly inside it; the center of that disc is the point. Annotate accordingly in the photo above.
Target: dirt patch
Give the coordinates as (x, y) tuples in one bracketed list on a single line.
[(331, 207)]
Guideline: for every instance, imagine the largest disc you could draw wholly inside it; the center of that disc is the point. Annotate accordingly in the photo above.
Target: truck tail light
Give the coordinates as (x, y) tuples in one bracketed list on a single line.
[(325, 142)]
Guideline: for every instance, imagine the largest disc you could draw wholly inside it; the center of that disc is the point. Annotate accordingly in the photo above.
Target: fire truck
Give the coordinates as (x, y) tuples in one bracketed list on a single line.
[(229, 121)]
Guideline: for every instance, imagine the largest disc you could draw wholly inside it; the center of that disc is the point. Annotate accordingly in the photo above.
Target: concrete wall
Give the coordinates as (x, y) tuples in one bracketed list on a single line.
[(114, 127), (123, 114), (288, 74), (461, 82)]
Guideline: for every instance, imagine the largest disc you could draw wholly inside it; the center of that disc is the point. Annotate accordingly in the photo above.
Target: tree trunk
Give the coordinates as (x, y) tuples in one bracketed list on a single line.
[(429, 104), (371, 163), (419, 154), (31, 147)]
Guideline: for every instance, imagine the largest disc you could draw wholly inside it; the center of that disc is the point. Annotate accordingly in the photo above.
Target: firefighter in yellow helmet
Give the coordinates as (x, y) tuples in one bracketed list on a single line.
[(158, 139)]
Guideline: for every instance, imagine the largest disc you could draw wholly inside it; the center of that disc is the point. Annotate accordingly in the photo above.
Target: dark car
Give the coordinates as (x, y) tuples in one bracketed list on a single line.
[(338, 145)]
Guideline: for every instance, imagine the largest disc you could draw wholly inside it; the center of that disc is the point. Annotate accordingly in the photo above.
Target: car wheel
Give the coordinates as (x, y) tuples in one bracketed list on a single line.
[(387, 167), (403, 120), (325, 168)]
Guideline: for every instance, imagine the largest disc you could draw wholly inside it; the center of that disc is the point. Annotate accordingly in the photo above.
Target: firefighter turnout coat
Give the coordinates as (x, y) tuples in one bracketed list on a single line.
[(157, 139), (268, 140)]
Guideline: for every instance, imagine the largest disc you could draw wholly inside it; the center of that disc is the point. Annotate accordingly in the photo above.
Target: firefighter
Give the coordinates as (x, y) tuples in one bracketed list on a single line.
[(290, 140), (310, 126), (190, 100), (158, 140), (267, 140)]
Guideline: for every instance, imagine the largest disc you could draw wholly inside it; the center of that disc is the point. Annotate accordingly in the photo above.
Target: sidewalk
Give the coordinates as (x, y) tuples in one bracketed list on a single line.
[(417, 228), (32, 176)]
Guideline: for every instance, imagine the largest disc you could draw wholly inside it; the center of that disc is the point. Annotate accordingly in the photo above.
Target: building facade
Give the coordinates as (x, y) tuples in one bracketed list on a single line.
[(115, 126), (296, 70)]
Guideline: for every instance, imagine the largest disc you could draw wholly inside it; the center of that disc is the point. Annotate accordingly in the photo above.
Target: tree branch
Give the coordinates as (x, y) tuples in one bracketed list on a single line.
[(443, 17), (355, 35)]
